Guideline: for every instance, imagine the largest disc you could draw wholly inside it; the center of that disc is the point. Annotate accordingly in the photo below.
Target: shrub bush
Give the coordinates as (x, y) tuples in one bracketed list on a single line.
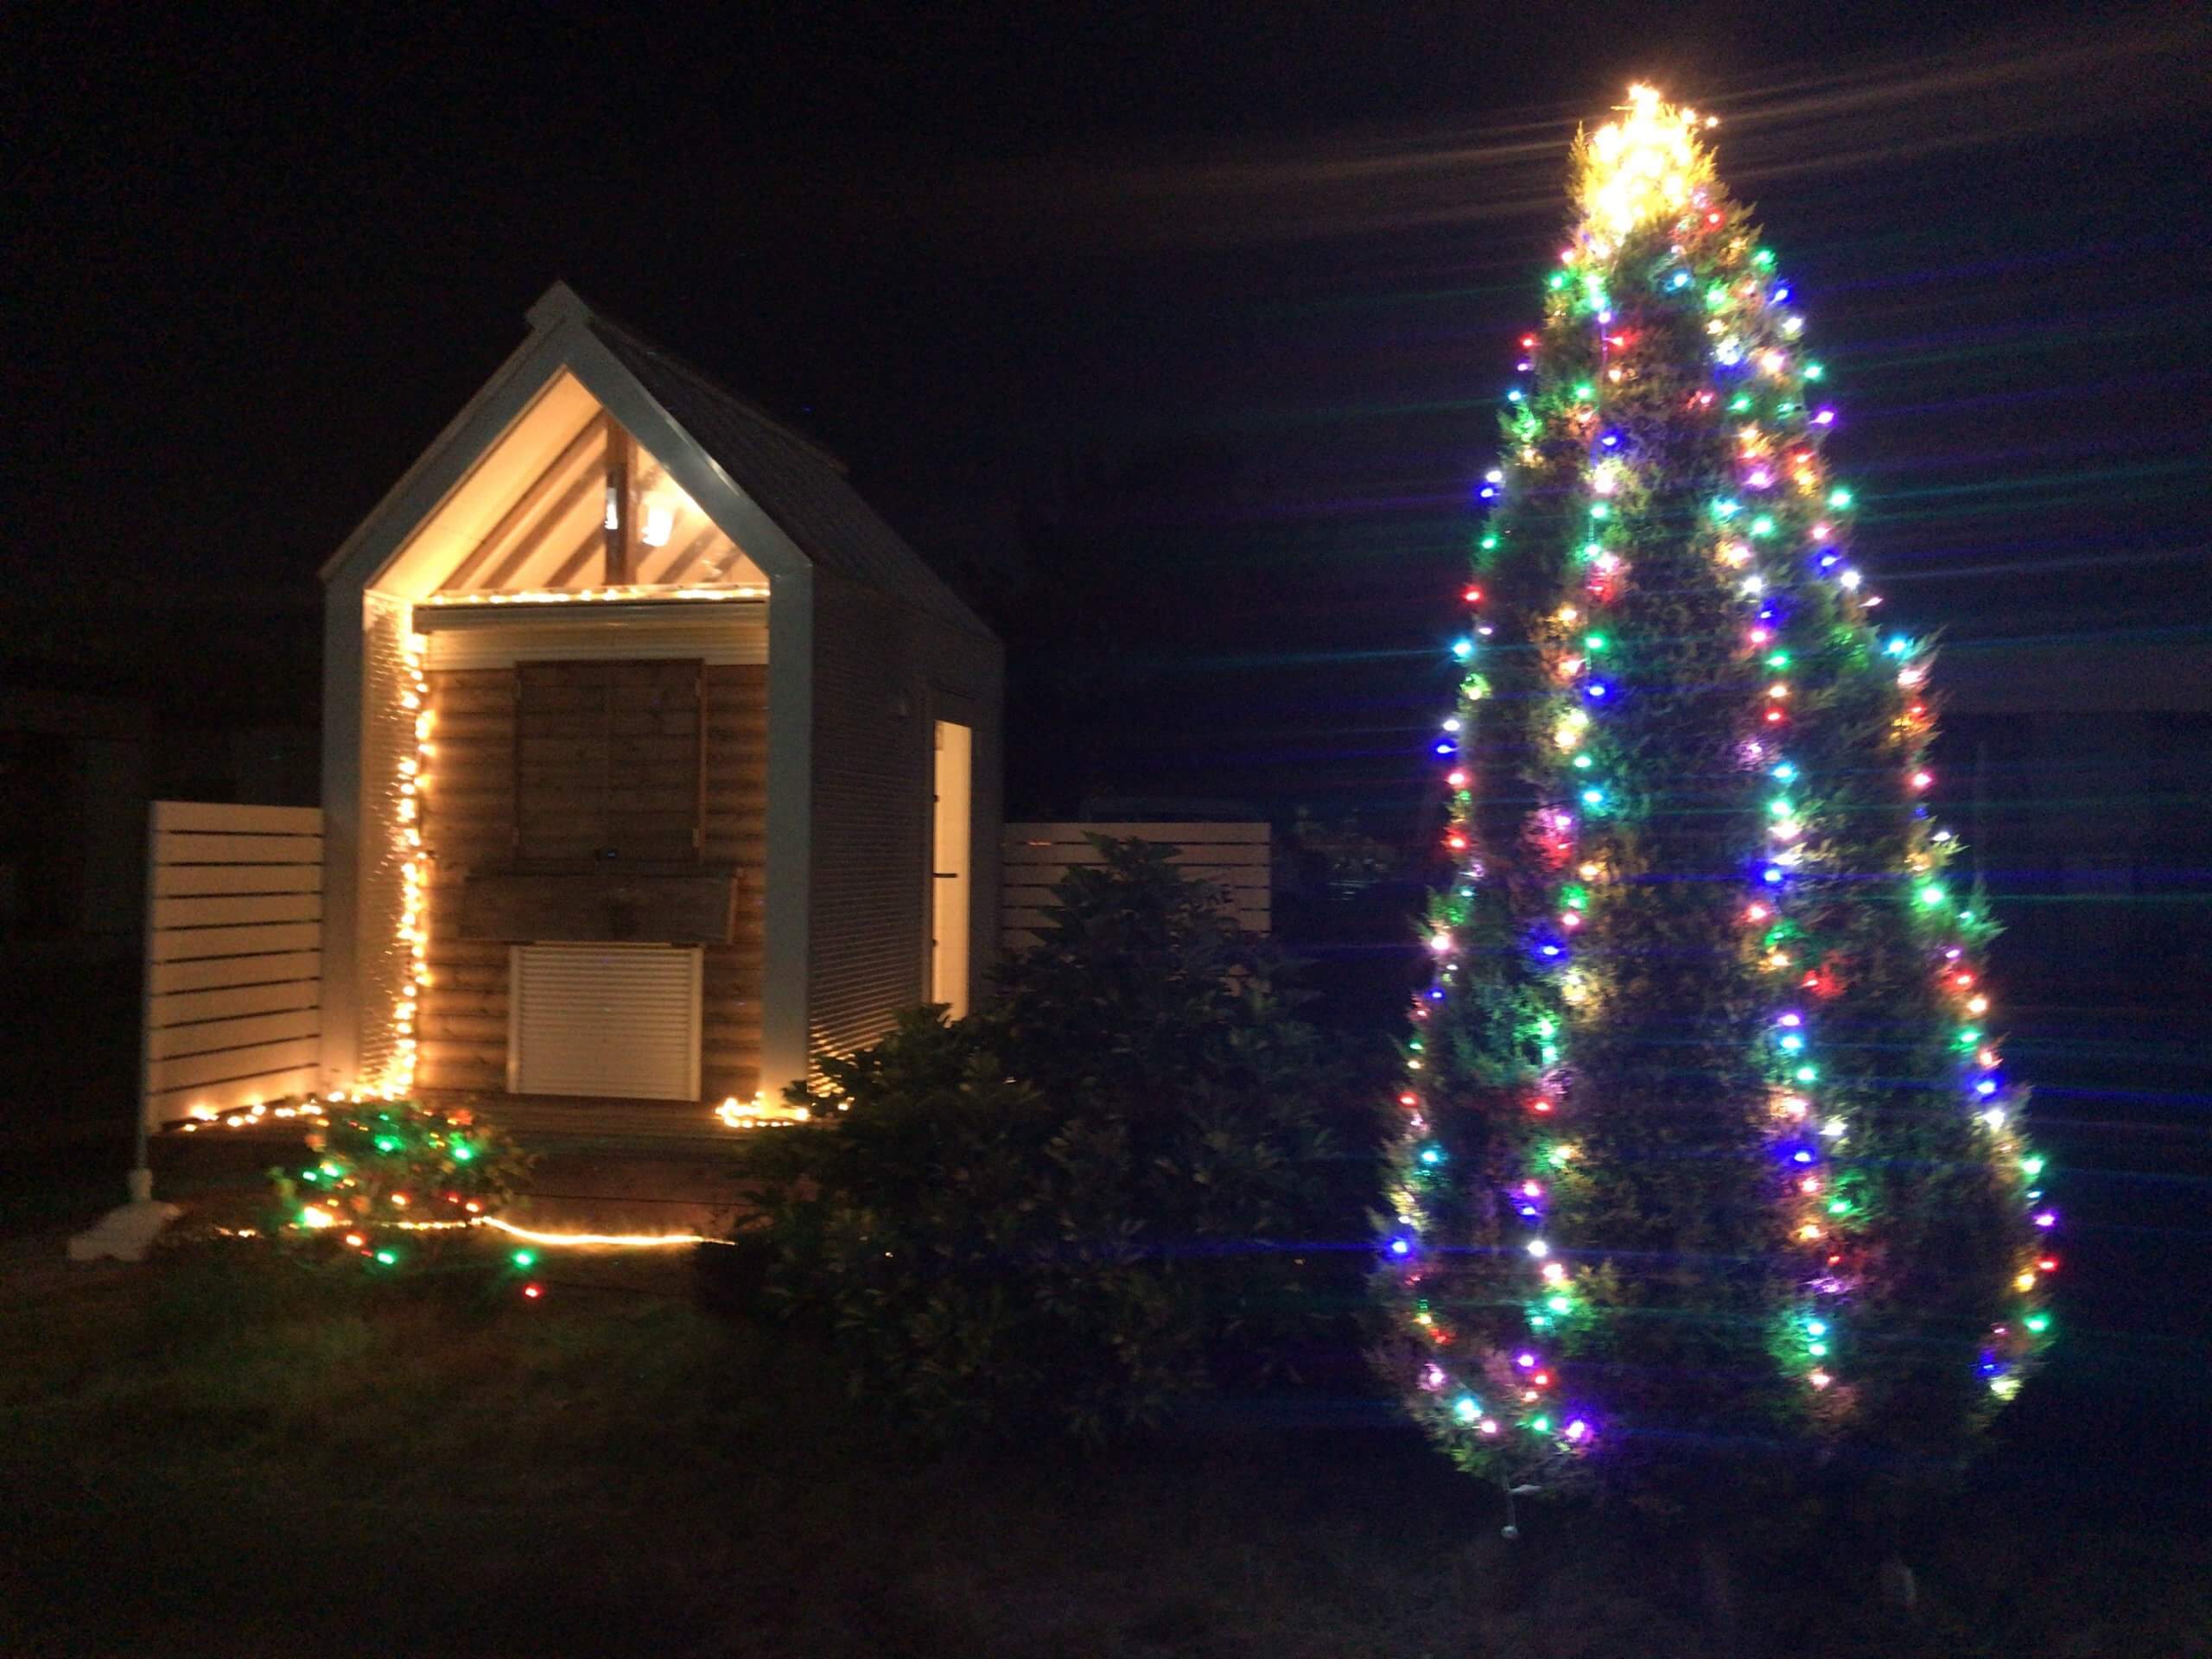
[(1111, 1189), (393, 1185)]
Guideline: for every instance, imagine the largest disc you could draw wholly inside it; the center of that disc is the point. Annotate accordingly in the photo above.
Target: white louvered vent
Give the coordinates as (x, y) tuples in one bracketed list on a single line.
[(619, 1021)]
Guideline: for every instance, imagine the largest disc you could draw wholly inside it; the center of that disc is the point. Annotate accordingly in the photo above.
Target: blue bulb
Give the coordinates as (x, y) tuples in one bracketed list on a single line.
[(1446, 748), (1771, 875), (1801, 1156), (1598, 690), (1399, 1247), (1463, 649)]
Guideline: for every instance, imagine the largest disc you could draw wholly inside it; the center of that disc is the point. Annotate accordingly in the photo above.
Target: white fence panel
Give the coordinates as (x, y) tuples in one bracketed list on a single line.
[(1034, 856), (233, 1007)]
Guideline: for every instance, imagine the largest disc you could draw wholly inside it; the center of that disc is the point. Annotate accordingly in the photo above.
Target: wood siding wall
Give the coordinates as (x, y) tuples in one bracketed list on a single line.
[(468, 822), (234, 963), (883, 676), (872, 754), (1235, 855)]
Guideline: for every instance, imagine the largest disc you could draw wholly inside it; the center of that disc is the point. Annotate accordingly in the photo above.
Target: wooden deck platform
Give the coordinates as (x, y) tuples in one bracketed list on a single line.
[(603, 1166)]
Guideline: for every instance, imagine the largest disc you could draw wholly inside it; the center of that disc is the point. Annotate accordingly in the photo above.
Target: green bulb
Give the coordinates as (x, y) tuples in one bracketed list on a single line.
[(2031, 1167), (1777, 659), (1839, 498), (1490, 544), (1817, 1350), (524, 1258), (1560, 1304), (1590, 550), (1931, 894), (1762, 525), (1717, 296), (1595, 642), (2037, 1323), (1763, 258), (1600, 511), (1815, 371), (1550, 1054), (1541, 1425), (1838, 1207), (1582, 763), (1807, 1073), (1740, 404), (1779, 808), (1546, 1027), (463, 1152), (387, 1143), (388, 1257), (1584, 391)]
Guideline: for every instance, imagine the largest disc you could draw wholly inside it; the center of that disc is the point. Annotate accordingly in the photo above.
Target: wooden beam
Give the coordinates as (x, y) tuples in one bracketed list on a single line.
[(570, 568), (525, 503), (622, 499), (535, 537), (694, 550)]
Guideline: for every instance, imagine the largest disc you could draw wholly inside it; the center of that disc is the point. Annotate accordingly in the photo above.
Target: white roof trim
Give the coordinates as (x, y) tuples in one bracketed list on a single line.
[(561, 339)]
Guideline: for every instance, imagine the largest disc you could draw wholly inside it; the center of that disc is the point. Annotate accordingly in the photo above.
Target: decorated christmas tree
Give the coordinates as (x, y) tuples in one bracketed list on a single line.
[(1708, 1150)]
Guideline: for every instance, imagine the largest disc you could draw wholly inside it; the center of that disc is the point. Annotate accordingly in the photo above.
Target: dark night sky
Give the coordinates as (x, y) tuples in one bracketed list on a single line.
[(1176, 331)]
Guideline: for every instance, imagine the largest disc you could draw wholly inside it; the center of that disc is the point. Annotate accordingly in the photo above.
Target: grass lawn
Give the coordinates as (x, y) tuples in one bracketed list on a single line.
[(213, 1455)]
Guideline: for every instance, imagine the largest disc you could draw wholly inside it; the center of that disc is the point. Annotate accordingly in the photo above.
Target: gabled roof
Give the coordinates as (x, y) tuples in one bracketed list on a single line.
[(798, 483), (795, 483)]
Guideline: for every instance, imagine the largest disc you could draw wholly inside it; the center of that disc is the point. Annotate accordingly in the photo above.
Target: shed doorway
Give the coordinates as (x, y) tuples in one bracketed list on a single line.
[(952, 865)]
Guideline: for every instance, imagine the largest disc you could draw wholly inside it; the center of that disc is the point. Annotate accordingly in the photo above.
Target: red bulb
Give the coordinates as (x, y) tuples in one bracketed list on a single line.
[(1473, 596), (533, 1291)]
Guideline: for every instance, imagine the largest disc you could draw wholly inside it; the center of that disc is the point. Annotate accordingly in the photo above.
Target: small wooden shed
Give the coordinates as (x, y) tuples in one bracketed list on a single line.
[(654, 761)]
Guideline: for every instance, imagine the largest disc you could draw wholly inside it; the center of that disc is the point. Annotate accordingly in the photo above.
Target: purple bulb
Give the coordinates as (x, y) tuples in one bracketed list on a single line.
[(2046, 1218)]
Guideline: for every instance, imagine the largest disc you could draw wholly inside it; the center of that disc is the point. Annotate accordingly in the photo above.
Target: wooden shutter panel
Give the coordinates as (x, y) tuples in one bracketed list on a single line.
[(607, 760)]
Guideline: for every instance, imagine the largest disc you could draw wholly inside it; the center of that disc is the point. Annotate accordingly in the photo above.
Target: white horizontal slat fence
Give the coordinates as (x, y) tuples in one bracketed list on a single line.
[(234, 1004), (1034, 856)]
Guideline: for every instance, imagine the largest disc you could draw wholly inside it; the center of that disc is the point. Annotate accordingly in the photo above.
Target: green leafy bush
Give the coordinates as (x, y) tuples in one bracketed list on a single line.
[(1112, 1188), (396, 1184)]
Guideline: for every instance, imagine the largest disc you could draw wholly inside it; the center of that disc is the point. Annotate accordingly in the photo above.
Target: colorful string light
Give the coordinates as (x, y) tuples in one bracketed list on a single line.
[(1659, 246)]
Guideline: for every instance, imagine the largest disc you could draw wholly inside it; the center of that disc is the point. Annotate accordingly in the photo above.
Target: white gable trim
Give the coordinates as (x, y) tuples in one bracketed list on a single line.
[(567, 344)]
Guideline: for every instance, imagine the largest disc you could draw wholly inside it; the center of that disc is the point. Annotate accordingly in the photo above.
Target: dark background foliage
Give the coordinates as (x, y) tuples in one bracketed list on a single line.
[(1114, 1187)]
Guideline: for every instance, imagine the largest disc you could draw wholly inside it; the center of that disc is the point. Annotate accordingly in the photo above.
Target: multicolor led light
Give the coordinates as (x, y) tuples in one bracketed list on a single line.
[(1658, 239)]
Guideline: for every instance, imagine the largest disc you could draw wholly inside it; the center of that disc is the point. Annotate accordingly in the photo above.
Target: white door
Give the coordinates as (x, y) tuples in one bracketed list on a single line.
[(616, 1020), (952, 865)]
